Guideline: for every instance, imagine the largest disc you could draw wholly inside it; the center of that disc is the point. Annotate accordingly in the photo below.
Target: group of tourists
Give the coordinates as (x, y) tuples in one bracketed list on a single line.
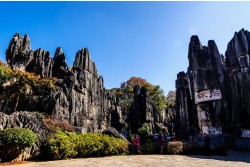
[(161, 138)]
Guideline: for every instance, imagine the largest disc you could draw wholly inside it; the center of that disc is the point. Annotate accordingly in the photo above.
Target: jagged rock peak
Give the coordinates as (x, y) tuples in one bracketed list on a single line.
[(17, 35), (83, 62), (101, 81), (81, 59), (60, 67), (41, 64), (238, 50), (195, 41), (213, 49), (181, 74), (17, 53)]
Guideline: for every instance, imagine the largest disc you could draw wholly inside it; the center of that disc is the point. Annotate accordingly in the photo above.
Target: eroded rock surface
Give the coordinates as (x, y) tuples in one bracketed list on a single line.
[(228, 76), (79, 95), (30, 120)]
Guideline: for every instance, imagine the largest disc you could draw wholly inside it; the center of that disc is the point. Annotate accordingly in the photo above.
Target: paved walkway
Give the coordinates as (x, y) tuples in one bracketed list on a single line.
[(234, 159)]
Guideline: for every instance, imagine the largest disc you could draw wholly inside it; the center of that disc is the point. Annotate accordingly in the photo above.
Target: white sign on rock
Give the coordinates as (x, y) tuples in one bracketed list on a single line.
[(211, 130), (207, 95), (245, 132)]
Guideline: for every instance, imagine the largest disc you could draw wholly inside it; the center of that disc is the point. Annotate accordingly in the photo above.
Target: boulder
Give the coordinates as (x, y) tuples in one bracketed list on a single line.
[(113, 132)]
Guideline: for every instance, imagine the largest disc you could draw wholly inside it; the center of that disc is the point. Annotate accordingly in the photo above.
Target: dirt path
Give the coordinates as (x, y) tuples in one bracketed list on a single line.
[(234, 159)]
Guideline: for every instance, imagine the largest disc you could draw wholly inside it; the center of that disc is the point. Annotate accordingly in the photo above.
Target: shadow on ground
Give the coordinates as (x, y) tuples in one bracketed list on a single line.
[(231, 156)]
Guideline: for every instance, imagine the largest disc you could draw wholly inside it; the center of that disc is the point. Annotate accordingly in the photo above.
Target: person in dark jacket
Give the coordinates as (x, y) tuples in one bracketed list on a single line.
[(207, 144)]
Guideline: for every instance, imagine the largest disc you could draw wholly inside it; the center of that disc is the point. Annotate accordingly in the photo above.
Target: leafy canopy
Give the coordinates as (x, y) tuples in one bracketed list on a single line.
[(125, 93), (23, 80)]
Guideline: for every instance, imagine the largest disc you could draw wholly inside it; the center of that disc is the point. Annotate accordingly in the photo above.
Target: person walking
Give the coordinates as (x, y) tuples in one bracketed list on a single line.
[(161, 144), (137, 143)]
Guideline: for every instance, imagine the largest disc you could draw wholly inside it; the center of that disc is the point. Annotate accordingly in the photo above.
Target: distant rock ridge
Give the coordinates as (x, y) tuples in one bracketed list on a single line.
[(211, 74), (80, 96)]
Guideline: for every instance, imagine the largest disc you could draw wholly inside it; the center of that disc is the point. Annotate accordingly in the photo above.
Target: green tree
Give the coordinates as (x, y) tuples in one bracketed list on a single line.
[(125, 93)]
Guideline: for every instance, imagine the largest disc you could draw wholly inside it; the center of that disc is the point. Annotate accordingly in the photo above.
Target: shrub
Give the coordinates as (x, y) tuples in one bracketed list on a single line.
[(144, 130), (114, 146), (148, 147), (61, 145), (13, 141), (175, 147), (55, 124), (95, 145), (90, 145)]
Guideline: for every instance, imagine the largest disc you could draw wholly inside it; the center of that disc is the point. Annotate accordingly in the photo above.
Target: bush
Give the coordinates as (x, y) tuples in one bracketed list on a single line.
[(55, 124), (95, 145), (61, 145), (114, 146), (148, 147), (90, 145), (144, 130), (13, 141), (175, 147)]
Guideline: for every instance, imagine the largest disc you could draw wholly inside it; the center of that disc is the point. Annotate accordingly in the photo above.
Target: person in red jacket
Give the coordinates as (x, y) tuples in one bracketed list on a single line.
[(137, 143)]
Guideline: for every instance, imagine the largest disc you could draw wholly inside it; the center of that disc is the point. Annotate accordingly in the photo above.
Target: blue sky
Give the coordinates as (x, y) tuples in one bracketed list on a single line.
[(145, 39)]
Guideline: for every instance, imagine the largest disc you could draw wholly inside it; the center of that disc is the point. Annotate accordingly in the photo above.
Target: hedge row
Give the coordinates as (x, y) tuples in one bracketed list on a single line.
[(64, 145), (180, 148)]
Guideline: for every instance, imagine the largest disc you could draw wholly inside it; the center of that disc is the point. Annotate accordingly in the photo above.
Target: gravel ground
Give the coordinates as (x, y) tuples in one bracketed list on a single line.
[(234, 159)]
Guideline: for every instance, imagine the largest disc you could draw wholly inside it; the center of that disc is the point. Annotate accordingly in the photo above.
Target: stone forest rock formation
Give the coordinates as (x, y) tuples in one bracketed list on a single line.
[(142, 113), (142, 110), (79, 96), (214, 94)]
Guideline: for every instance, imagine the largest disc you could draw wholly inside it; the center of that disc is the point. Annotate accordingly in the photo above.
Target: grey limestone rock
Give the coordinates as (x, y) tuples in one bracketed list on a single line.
[(79, 96), (41, 64), (209, 70), (19, 54), (141, 111), (60, 67)]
